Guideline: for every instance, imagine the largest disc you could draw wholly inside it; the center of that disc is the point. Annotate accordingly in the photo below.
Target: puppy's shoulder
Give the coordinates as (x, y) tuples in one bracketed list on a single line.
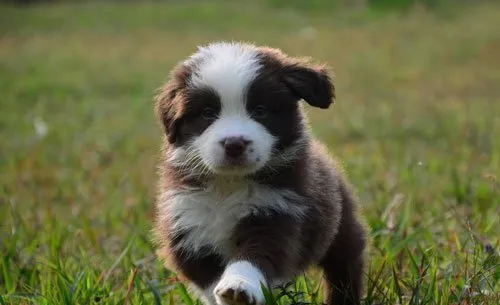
[(323, 163), (328, 174)]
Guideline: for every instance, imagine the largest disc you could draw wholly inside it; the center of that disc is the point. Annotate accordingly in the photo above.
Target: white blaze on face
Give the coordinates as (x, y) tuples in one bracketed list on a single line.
[(229, 69)]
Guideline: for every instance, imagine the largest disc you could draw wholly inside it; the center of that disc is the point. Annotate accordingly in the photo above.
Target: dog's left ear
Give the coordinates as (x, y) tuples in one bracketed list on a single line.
[(312, 84)]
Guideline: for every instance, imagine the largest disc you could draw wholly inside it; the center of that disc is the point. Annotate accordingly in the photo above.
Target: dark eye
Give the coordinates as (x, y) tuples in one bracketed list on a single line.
[(208, 113), (260, 112)]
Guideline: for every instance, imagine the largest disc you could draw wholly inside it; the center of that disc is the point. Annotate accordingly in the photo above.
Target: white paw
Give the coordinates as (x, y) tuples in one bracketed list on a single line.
[(240, 285)]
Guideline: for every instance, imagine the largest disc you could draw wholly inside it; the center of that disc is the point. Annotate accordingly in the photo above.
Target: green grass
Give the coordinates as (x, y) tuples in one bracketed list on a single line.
[(416, 124)]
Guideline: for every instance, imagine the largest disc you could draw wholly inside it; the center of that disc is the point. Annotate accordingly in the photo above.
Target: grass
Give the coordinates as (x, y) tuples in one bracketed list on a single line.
[(416, 125)]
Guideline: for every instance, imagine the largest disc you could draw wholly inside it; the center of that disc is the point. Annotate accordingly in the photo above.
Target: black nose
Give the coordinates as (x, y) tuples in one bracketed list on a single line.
[(234, 146)]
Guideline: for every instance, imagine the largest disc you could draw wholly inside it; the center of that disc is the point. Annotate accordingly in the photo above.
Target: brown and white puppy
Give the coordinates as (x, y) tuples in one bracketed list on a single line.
[(246, 196)]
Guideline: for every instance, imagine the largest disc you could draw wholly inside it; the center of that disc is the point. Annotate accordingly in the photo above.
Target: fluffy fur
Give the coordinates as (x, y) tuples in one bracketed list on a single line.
[(246, 196)]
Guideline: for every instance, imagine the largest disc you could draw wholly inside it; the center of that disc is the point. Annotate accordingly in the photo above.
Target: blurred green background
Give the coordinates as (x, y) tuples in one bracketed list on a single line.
[(416, 124)]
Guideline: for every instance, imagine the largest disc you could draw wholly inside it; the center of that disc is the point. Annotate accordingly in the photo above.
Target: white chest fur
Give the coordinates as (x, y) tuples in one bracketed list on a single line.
[(210, 215)]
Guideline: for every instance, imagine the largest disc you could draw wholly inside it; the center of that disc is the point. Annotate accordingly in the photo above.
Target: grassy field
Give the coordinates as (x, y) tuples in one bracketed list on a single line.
[(417, 126)]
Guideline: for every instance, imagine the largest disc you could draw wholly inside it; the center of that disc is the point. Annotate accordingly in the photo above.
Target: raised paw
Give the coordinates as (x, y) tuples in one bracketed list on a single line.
[(236, 296), (240, 286)]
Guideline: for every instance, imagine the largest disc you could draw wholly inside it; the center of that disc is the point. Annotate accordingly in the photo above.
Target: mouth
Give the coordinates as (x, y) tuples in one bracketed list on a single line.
[(236, 167), (235, 162)]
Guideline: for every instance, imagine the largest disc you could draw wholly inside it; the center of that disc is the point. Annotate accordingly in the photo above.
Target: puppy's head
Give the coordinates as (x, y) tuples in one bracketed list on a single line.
[(232, 108)]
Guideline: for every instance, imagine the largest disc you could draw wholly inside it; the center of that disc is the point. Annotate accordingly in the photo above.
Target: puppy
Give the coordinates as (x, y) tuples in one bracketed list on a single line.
[(246, 196)]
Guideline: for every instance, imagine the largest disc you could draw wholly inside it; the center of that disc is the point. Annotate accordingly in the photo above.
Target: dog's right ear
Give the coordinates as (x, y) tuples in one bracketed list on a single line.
[(165, 111), (169, 103)]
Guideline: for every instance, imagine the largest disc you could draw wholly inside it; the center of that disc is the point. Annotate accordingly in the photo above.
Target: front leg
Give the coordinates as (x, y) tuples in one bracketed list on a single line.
[(241, 284), (201, 269), (265, 250)]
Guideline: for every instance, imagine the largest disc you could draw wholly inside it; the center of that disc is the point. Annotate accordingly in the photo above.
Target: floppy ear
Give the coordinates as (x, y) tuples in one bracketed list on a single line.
[(166, 112), (312, 84), (169, 102)]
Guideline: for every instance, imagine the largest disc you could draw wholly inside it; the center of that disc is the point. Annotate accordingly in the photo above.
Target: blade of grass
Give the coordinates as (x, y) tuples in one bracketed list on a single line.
[(184, 294)]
